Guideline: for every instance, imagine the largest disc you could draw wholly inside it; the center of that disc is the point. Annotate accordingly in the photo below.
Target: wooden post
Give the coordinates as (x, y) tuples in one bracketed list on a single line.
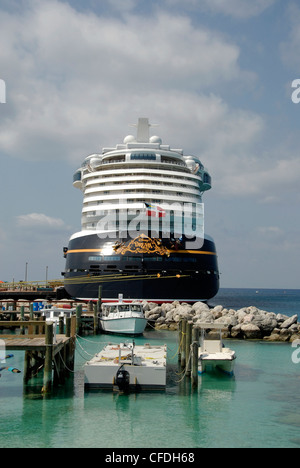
[(95, 319), (183, 344), (68, 349), (78, 319), (31, 312), (180, 340), (68, 326), (31, 318), (195, 356), (48, 358), (22, 329), (27, 368), (188, 348), (42, 329), (99, 298), (70, 333), (61, 326)]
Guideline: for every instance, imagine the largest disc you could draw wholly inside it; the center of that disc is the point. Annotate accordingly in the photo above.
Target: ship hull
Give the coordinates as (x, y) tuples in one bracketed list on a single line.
[(140, 269), (126, 326)]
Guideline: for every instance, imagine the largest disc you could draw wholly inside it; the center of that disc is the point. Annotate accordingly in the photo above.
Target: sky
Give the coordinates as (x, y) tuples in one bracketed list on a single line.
[(215, 75)]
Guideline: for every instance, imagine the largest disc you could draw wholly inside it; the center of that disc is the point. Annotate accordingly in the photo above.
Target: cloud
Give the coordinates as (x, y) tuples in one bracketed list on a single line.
[(289, 49), (73, 77), (263, 178), (238, 9), (40, 221), (76, 79)]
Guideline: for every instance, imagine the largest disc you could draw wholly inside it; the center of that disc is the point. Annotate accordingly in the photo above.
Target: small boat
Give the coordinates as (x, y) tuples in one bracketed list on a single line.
[(212, 353), (53, 313), (126, 367), (123, 319)]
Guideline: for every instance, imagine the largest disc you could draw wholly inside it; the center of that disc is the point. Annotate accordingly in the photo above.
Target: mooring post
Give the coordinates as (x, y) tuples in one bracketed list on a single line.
[(61, 325), (195, 356), (99, 303), (68, 326), (95, 319), (70, 333), (31, 317), (68, 346), (48, 358), (22, 329), (180, 340), (188, 348), (183, 343), (78, 319), (27, 366)]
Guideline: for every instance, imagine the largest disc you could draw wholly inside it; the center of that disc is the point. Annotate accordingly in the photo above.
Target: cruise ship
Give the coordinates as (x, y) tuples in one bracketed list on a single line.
[(142, 227)]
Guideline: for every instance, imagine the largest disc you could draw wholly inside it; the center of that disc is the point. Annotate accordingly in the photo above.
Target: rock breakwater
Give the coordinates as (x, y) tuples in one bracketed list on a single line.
[(245, 323)]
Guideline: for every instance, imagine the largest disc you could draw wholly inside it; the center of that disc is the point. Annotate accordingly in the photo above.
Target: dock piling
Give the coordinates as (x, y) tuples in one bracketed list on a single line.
[(48, 358), (188, 348), (183, 343), (188, 351), (78, 319), (195, 356), (22, 314), (95, 319), (99, 302)]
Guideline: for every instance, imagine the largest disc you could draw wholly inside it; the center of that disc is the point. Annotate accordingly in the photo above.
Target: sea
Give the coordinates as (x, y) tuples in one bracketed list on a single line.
[(259, 407)]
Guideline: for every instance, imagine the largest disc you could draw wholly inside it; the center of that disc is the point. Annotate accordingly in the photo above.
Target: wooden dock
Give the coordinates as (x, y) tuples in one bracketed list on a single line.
[(44, 349)]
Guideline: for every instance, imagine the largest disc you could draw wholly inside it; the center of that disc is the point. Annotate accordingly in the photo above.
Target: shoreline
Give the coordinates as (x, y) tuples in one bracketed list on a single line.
[(248, 322)]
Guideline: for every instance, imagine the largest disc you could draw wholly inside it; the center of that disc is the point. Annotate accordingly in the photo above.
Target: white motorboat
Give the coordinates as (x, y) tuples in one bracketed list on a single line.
[(53, 313), (212, 353), (123, 319), (126, 367)]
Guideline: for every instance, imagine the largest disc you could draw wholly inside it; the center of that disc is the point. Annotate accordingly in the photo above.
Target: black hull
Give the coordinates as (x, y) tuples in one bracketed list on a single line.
[(149, 270)]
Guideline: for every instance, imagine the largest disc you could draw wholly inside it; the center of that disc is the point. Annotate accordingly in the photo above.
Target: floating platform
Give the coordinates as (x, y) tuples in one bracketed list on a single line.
[(126, 367)]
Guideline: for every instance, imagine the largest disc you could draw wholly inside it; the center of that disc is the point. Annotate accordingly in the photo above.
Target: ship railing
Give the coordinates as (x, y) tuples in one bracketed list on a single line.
[(49, 285)]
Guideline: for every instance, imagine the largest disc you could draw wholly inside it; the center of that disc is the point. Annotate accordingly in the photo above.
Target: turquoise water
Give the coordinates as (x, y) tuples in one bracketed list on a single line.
[(258, 407)]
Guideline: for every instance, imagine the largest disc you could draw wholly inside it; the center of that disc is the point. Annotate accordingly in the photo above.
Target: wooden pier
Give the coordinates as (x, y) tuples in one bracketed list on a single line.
[(86, 313), (44, 349)]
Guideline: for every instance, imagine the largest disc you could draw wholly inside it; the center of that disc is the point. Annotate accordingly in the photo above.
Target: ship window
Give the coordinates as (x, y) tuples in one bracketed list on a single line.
[(112, 258), (145, 156), (182, 259), (95, 259), (77, 176), (206, 178)]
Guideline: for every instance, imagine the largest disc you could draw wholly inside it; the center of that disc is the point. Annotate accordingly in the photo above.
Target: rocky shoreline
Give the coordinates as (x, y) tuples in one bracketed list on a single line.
[(245, 323)]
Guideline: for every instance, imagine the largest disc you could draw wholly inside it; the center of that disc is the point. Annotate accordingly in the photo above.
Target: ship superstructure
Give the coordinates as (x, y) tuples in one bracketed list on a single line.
[(142, 225)]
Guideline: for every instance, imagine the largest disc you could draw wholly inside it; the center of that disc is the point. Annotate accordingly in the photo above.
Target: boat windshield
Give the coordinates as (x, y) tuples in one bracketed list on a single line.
[(122, 308)]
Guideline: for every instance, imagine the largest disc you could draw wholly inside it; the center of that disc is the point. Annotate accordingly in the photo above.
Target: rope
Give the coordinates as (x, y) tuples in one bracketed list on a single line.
[(70, 370), (185, 370), (83, 350), (179, 344), (187, 364)]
